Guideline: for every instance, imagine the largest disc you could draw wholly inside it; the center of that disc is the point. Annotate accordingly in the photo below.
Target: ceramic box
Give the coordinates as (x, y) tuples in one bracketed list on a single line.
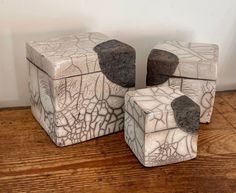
[(77, 85), (161, 125), (191, 66)]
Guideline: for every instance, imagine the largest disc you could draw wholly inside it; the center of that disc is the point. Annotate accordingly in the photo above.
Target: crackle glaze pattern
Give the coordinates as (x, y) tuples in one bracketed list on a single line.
[(67, 55), (196, 60), (70, 96), (200, 91), (151, 130), (195, 74)]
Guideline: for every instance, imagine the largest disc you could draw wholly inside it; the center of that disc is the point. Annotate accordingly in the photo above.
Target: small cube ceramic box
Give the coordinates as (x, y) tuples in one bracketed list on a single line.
[(161, 125), (77, 85), (191, 66)]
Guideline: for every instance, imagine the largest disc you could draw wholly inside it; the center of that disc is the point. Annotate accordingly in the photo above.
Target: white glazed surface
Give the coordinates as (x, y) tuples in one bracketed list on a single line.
[(196, 72), (201, 92), (196, 60), (70, 97), (151, 130), (151, 107), (76, 109), (67, 55)]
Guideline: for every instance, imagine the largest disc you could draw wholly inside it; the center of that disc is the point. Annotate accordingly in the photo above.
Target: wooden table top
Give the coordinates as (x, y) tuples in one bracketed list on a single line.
[(30, 162)]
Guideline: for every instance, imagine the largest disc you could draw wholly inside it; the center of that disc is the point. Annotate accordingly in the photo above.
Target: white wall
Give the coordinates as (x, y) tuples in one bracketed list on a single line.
[(138, 22)]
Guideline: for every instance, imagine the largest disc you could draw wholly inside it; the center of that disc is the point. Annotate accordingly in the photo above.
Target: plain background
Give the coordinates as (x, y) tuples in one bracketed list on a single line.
[(139, 23)]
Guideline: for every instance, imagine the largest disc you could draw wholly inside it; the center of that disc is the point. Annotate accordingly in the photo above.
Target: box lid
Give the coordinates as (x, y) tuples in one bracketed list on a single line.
[(66, 56), (151, 107), (195, 60)]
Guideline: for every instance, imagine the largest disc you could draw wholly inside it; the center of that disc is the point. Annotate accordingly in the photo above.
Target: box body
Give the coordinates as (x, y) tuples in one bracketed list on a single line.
[(191, 66), (71, 97), (151, 129)]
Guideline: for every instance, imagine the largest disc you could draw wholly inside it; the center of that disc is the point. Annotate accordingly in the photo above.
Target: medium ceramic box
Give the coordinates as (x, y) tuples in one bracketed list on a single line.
[(161, 125), (77, 85), (191, 66)]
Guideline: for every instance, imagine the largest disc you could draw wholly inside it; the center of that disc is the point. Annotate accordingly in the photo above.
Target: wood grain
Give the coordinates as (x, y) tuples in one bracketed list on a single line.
[(30, 162)]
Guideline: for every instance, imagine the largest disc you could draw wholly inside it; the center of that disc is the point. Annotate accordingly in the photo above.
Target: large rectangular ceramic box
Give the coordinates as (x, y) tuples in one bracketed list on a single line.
[(77, 85), (161, 125), (191, 66)]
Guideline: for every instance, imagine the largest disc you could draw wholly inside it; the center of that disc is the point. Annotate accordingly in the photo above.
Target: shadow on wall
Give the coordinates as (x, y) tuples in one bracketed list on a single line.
[(227, 64), (143, 44)]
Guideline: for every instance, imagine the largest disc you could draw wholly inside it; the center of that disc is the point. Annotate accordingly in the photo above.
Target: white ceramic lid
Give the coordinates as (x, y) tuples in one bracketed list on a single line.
[(66, 56), (196, 60)]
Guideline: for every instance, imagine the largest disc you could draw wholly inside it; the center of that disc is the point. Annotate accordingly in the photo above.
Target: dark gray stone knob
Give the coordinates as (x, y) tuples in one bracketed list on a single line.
[(117, 62), (187, 113), (161, 64)]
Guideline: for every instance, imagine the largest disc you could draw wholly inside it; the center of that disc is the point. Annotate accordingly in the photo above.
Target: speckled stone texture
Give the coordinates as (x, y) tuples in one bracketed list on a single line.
[(161, 65), (117, 62), (186, 113), (195, 73), (71, 97), (151, 129)]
